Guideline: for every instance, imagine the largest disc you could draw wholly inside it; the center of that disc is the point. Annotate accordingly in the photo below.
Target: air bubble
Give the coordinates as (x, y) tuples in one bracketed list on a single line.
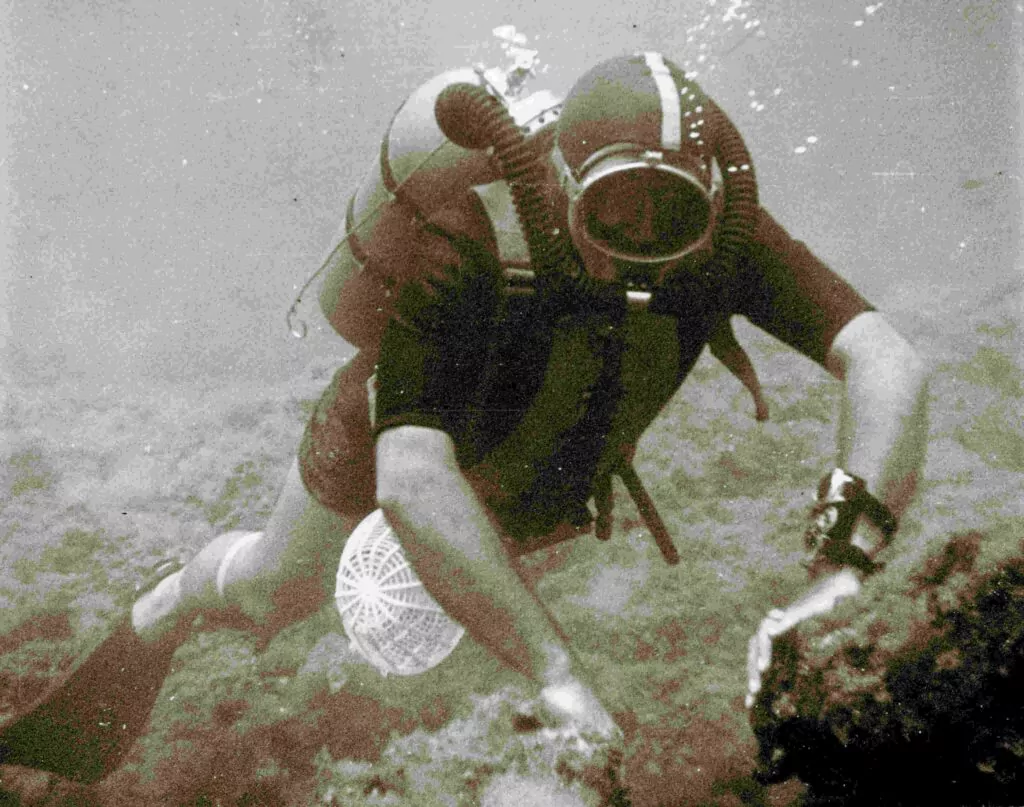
[(800, 149), (858, 23), (812, 139), (751, 93)]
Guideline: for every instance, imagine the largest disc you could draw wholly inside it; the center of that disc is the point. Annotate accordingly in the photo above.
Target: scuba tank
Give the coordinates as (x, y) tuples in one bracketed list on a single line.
[(418, 172)]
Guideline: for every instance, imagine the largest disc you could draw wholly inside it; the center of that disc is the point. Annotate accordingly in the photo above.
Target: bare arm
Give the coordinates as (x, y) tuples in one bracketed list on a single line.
[(457, 554), (883, 426), (883, 433), (450, 541)]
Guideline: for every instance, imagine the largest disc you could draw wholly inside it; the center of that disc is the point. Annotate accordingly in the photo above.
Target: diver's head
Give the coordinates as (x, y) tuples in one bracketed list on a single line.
[(632, 157)]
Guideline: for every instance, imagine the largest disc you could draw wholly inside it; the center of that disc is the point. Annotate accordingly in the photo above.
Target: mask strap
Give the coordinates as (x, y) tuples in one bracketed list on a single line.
[(671, 114)]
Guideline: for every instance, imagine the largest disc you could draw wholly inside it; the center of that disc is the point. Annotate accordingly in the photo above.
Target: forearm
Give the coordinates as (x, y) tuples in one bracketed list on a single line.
[(883, 426), (456, 551)]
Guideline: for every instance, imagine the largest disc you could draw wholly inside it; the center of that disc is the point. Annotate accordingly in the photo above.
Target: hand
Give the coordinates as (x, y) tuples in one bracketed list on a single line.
[(576, 709), (820, 600), (586, 744)]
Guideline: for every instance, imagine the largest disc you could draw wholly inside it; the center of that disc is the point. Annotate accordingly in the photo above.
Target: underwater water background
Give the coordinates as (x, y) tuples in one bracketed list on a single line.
[(175, 172)]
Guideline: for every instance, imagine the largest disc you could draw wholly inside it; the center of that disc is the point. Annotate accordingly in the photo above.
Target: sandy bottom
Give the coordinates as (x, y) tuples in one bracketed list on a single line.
[(92, 492)]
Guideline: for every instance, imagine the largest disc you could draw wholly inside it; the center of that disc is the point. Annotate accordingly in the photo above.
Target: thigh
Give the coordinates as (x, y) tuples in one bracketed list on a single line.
[(330, 488)]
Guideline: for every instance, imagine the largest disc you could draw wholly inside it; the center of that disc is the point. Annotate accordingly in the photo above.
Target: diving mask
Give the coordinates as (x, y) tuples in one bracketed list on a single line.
[(635, 204)]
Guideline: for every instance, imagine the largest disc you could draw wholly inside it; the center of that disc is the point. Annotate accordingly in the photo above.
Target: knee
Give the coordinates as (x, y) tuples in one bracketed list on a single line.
[(243, 543), (199, 578)]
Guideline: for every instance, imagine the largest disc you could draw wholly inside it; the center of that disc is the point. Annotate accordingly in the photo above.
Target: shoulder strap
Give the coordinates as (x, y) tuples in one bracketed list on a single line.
[(496, 200)]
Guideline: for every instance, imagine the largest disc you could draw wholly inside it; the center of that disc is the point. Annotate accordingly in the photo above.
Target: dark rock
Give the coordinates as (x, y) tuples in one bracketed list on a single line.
[(913, 693)]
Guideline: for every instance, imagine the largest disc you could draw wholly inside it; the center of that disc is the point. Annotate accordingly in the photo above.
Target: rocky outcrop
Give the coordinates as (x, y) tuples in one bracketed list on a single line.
[(914, 693)]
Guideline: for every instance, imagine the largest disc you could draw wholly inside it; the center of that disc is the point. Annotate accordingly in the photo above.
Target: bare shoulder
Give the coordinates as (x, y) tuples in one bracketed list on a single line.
[(408, 457), (414, 445)]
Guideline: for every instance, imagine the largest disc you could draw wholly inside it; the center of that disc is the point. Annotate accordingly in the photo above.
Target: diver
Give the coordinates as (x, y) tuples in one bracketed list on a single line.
[(523, 313)]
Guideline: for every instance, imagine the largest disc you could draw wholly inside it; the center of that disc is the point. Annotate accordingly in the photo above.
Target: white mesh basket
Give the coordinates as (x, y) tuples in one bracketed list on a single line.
[(388, 616)]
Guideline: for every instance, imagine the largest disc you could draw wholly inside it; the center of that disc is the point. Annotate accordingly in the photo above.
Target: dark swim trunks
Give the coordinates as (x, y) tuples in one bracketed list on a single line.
[(336, 455)]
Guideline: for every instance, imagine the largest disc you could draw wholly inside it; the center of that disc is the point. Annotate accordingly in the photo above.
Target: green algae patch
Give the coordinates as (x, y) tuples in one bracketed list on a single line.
[(30, 474), (994, 440), (243, 496), (992, 369), (77, 551), (1004, 331)]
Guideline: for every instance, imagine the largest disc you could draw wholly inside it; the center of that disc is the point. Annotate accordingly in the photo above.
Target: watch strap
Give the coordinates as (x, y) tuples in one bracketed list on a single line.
[(842, 499)]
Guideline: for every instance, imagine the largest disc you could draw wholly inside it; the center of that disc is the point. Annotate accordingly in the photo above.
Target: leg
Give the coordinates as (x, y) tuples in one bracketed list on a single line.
[(728, 350), (84, 728), (283, 574), (277, 577)]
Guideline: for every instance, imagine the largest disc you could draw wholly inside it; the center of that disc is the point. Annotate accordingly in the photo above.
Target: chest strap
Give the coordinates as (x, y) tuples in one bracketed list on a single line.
[(623, 468)]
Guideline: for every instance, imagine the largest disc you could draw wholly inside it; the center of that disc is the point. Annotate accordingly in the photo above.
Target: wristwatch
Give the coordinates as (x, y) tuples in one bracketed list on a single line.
[(842, 499)]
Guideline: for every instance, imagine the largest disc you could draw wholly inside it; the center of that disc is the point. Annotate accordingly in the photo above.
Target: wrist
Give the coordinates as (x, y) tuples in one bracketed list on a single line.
[(850, 526)]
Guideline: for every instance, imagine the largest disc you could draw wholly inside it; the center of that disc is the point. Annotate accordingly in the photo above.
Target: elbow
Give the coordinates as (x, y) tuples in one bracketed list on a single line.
[(870, 348), (900, 375), (909, 368)]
